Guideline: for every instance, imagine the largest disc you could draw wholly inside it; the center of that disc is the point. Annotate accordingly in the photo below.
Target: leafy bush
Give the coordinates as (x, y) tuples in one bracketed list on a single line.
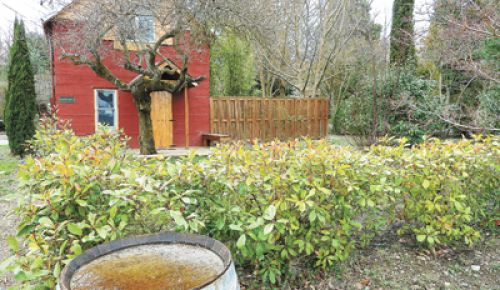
[(282, 208), (65, 210), (449, 189), (407, 106), (80, 193), (488, 111), (354, 116)]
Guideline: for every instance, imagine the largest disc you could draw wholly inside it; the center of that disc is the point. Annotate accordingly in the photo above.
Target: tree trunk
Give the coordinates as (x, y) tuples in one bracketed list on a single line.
[(282, 88), (142, 101), (374, 95)]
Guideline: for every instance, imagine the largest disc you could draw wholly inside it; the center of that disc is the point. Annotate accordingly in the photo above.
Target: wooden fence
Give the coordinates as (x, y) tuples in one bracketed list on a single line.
[(247, 118)]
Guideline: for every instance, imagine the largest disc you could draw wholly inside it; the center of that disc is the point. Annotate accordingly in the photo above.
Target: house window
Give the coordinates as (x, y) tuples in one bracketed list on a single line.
[(106, 110), (145, 28), (142, 30)]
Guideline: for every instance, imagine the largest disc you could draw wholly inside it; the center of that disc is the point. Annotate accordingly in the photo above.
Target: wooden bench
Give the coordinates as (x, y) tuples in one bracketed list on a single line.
[(211, 138)]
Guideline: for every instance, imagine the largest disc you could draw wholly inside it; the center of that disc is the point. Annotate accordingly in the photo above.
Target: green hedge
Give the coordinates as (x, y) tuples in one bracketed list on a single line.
[(282, 208)]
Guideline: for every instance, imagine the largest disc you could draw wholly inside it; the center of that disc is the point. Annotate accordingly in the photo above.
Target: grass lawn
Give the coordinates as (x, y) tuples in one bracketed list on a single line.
[(340, 140), (7, 161), (8, 167)]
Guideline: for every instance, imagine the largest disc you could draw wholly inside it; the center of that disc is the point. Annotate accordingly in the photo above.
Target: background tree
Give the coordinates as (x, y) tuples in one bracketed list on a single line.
[(354, 77), (4, 52), (4, 49), (462, 28), (20, 110), (461, 52), (39, 52), (232, 71), (402, 51), (295, 42), (305, 40), (39, 58)]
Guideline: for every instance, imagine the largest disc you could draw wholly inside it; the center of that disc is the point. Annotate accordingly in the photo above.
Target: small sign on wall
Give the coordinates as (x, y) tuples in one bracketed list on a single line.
[(66, 100)]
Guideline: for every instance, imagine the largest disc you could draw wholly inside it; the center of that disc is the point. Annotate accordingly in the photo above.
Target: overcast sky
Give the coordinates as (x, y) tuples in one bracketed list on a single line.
[(382, 12), (29, 10), (32, 12)]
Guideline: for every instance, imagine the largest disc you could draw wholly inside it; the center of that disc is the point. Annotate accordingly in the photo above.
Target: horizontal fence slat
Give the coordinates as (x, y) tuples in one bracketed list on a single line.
[(267, 119)]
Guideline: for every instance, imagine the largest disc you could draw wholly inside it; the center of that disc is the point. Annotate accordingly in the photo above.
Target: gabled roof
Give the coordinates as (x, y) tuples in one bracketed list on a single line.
[(66, 10)]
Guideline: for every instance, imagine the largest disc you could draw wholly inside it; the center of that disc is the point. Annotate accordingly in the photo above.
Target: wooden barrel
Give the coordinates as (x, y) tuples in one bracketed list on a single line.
[(158, 261)]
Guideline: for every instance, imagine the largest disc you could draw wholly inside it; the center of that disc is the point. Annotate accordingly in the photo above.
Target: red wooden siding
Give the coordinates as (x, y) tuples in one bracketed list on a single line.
[(80, 83)]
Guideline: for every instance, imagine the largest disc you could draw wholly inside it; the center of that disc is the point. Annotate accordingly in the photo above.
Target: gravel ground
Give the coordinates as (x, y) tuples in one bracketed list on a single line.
[(7, 227), (7, 219), (3, 139)]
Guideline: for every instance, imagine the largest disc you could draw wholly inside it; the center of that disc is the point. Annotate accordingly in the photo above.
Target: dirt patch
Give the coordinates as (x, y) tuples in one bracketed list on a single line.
[(8, 221), (402, 265), (391, 262)]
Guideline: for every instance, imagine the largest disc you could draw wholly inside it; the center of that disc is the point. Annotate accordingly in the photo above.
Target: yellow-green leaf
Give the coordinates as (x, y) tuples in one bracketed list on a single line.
[(268, 229), (13, 244), (270, 212), (46, 222), (312, 216), (75, 229), (103, 231), (57, 269), (241, 241)]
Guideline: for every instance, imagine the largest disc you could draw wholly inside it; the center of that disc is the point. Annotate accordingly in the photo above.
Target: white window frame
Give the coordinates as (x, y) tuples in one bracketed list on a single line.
[(96, 108)]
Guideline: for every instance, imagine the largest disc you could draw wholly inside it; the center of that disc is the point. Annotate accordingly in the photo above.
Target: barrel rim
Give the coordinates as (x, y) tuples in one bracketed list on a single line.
[(142, 240)]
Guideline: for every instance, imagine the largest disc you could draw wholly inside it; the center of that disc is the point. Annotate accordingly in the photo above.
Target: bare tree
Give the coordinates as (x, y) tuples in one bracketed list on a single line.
[(463, 38), (308, 38), (461, 27), (295, 41), (5, 42), (4, 50)]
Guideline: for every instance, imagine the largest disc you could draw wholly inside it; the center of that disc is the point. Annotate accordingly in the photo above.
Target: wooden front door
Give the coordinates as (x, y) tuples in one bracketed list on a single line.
[(161, 116)]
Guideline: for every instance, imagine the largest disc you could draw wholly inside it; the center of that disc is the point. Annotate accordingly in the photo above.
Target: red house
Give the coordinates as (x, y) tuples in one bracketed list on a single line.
[(86, 99)]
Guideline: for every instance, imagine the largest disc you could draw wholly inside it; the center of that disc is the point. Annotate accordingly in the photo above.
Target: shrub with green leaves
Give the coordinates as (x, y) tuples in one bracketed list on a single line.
[(65, 210), (286, 206), (79, 192), (283, 208), (449, 189)]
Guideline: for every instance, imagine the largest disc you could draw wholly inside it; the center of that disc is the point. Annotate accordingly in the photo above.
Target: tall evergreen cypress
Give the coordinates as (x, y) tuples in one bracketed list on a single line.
[(20, 109), (403, 34)]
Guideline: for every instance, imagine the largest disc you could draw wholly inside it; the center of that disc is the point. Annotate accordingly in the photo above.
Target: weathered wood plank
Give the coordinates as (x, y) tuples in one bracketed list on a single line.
[(266, 119), (161, 117)]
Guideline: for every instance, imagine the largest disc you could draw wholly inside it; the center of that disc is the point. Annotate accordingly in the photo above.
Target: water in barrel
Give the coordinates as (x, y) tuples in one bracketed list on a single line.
[(160, 266)]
